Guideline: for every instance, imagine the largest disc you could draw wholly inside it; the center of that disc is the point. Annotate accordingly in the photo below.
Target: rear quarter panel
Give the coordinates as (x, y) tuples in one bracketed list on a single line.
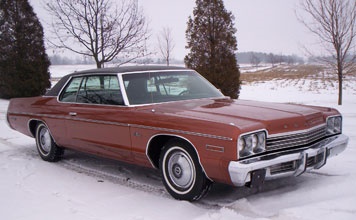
[(45, 109)]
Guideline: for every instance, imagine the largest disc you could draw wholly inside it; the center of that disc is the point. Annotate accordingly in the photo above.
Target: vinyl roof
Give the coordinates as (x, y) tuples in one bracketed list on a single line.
[(127, 69)]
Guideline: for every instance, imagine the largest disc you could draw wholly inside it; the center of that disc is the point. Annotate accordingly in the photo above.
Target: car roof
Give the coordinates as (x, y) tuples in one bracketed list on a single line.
[(111, 70), (127, 69)]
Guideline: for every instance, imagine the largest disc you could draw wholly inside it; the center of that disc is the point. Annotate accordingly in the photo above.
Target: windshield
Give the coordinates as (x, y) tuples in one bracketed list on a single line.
[(158, 87)]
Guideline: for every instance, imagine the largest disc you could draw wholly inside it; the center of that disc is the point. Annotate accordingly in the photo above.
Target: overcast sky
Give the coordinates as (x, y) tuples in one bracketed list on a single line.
[(262, 25)]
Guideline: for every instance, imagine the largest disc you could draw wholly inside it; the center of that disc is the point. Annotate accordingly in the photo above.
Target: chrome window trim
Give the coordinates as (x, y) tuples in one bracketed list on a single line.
[(87, 75), (123, 88), (61, 91)]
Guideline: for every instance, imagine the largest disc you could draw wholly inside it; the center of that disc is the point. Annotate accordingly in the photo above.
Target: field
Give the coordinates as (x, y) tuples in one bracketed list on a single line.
[(304, 77), (85, 187)]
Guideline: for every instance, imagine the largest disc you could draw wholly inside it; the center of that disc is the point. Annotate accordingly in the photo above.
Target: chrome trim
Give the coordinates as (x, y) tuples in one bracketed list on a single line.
[(240, 171), (127, 125), (303, 137), (123, 90), (127, 102), (161, 103), (183, 132), (94, 104), (64, 86), (248, 133), (122, 87), (156, 71), (213, 148), (296, 132), (334, 116), (70, 118)]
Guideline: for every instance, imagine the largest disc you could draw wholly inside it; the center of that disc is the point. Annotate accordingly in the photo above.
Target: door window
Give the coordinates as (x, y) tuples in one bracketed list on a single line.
[(99, 89)]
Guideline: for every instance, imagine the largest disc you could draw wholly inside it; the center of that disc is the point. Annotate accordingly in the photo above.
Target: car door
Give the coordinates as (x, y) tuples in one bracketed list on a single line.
[(97, 120)]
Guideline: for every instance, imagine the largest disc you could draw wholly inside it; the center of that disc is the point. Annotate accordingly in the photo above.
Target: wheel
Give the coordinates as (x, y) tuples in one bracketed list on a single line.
[(181, 172), (46, 147)]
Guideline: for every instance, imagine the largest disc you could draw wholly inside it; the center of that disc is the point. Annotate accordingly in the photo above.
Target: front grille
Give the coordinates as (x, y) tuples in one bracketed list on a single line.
[(297, 139), (312, 161)]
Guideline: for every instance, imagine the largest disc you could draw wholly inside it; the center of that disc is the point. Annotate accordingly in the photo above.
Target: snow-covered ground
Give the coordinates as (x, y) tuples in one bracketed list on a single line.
[(83, 187)]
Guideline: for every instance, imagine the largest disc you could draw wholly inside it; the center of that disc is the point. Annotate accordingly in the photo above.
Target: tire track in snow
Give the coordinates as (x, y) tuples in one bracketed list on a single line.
[(123, 180), (156, 188)]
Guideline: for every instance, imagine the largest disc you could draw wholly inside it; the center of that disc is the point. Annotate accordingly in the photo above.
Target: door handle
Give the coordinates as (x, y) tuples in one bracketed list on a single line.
[(72, 113)]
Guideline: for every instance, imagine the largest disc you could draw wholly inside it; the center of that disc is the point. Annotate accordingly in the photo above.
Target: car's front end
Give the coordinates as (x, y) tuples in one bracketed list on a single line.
[(262, 156)]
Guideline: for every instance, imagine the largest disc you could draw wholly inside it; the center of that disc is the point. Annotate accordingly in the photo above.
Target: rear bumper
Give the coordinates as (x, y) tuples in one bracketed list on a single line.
[(287, 163)]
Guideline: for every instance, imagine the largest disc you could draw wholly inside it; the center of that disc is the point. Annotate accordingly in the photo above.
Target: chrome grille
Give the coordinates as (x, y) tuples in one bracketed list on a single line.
[(297, 139), (283, 167), (315, 160)]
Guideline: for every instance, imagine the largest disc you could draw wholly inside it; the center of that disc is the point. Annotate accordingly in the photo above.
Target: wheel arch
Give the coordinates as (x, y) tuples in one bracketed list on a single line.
[(32, 126), (156, 144)]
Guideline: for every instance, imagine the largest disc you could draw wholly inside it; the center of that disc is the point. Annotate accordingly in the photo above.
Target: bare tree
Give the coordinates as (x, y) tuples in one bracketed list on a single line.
[(271, 58), (255, 60), (334, 23), (100, 29), (166, 44)]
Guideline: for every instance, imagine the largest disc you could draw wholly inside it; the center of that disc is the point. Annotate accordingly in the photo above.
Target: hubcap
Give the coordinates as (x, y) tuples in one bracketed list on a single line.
[(181, 170), (45, 140)]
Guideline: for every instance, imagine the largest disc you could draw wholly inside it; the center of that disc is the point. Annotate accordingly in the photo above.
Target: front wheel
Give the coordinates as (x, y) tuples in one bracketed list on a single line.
[(182, 174), (46, 147)]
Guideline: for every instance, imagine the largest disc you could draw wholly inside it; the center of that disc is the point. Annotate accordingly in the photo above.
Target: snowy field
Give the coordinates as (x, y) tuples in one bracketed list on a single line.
[(82, 187)]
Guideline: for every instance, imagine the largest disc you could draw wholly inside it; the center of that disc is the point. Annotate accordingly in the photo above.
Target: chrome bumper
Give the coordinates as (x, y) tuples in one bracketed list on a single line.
[(287, 163)]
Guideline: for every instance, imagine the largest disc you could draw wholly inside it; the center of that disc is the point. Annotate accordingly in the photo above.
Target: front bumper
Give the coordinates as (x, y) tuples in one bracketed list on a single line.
[(287, 163)]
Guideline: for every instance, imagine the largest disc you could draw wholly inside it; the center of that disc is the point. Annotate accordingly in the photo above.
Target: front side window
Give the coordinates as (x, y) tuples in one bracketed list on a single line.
[(151, 87), (99, 89), (70, 92)]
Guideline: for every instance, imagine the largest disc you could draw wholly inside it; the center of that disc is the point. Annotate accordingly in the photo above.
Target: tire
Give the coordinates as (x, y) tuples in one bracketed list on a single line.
[(182, 174), (46, 147)]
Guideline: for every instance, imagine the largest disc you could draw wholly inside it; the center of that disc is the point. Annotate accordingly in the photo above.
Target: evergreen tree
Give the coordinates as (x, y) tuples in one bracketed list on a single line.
[(23, 59), (212, 43)]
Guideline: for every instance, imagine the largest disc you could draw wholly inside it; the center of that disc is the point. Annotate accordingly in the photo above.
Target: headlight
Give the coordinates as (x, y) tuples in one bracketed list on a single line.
[(333, 125), (253, 143)]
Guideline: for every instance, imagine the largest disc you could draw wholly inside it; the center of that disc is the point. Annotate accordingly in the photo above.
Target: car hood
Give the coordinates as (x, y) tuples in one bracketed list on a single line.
[(249, 115)]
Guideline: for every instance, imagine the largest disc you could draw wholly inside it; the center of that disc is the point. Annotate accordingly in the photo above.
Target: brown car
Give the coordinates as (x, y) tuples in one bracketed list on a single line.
[(172, 119)]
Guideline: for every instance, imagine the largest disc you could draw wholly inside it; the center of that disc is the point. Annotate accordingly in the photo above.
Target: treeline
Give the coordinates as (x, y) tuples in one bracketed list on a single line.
[(253, 58), (257, 58), (65, 60)]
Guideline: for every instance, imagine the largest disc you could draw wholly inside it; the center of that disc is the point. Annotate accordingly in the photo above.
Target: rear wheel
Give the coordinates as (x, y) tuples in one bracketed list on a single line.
[(46, 147), (182, 174)]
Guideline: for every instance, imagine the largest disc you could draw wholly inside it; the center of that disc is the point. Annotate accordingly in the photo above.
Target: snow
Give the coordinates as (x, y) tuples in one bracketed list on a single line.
[(87, 187)]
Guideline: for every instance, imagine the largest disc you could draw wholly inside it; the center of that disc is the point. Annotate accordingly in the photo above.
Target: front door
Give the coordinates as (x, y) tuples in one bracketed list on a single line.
[(97, 120)]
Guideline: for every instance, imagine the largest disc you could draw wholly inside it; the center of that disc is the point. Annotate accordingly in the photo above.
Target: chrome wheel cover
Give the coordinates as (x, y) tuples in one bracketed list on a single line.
[(45, 141), (181, 170)]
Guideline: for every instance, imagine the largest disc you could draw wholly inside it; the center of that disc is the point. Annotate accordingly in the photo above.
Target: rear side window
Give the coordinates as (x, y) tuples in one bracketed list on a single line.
[(100, 89)]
